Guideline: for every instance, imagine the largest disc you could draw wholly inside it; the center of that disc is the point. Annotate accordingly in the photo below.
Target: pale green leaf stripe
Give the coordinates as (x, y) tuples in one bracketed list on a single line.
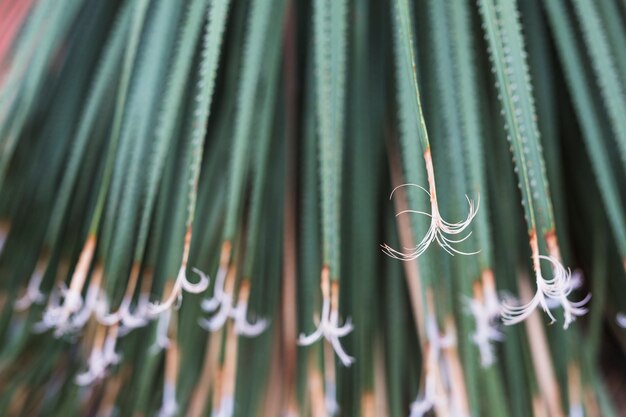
[(121, 165), (105, 75), (213, 37), (603, 64), (543, 70), (172, 101), (407, 39), (472, 129), (143, 104), (330, 60), (448, 159), (309, 248), (321, 46), (364, 150), (265, 121), (139, 14), (123, 191), (616, 33), (117, 161), (573, 63), (222, 116), (220, 143), (446, 85), (254, 53), (506, 50), (339, 34)]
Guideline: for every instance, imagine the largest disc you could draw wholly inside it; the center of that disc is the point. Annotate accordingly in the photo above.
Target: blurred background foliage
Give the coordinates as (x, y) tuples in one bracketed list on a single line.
[(195, 210)]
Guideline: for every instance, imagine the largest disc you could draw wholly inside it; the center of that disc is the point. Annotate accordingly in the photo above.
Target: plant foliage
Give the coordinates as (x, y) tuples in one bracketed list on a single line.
[(312, 208)]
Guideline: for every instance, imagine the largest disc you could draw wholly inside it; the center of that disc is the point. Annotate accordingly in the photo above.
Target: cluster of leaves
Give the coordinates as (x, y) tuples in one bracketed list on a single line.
[(186, 186)]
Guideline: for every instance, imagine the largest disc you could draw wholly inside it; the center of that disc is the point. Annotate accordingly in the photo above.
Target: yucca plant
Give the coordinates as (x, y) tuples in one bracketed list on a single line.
[(312, 208)]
